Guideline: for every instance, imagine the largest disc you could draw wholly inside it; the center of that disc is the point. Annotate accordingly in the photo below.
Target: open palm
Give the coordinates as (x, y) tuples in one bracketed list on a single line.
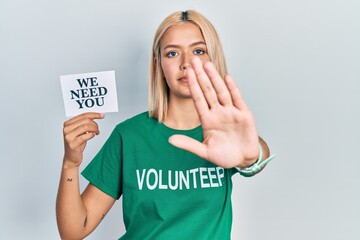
[(230, 135)]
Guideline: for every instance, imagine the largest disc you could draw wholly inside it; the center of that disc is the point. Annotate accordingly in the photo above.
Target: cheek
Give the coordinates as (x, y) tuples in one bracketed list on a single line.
[(167, 68), (204, 58)]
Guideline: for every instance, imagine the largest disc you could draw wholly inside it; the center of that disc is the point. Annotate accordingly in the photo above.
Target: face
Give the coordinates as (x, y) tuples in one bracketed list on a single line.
[(179, 44)]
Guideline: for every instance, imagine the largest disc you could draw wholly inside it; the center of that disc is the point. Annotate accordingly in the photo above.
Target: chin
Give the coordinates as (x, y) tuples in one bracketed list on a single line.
[(183, 95)]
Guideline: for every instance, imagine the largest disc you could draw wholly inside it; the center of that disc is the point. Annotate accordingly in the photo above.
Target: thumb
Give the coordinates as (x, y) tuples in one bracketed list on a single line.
[(189, 144)]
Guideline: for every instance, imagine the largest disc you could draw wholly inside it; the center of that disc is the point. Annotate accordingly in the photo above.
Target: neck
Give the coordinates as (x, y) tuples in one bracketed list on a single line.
[(182, 114)]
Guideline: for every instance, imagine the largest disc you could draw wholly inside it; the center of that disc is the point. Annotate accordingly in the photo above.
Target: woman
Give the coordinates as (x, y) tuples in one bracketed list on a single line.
[(172, 165)]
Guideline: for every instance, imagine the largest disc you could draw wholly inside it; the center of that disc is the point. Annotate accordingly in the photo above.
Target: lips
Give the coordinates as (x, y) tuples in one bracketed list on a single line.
[(183, 79)]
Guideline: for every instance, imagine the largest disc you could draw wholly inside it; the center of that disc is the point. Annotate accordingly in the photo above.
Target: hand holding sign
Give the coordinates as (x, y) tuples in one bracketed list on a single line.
[(89, 92), (77, 131)]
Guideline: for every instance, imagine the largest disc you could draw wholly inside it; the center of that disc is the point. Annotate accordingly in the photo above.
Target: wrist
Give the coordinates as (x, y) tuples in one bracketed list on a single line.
[(248, 162), (69, 164), (257, 166)]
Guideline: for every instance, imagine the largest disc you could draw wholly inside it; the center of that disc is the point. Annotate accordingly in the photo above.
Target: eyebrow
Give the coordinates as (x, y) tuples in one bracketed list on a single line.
[(191, 45)]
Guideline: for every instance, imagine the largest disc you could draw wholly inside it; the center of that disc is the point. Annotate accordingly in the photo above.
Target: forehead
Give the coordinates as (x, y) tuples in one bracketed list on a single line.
[(182, 34)]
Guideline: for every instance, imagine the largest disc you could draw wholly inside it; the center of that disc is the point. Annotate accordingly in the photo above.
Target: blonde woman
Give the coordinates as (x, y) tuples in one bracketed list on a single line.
[(173, 164)]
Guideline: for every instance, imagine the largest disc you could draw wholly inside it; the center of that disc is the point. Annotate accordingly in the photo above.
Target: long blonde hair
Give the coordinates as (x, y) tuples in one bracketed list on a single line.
[(158, 89)]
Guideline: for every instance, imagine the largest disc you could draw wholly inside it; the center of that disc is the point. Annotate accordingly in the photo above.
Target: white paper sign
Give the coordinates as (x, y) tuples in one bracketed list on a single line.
[(89, 92)]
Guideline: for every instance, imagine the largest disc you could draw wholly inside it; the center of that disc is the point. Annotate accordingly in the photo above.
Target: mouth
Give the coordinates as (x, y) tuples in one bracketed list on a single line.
[(183, 79)]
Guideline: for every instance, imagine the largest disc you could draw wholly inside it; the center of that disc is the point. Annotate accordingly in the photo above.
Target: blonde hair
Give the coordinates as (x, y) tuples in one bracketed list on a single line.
[(158, 89)]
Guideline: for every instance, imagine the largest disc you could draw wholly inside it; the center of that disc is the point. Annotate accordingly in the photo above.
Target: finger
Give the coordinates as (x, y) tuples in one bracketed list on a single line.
[(223, 94), (204, 82), (85, 137), (196, 93), (81, 119), (86, 128), (80, 135), (189, 144), (90, 115), (235, 93), (73, 143), (83, 125)]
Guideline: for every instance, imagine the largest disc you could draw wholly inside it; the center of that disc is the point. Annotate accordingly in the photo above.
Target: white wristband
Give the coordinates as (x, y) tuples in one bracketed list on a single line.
[(256, 167)]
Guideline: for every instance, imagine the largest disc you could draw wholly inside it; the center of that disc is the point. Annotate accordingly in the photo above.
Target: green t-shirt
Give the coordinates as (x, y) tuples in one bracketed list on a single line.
[(168, 193)]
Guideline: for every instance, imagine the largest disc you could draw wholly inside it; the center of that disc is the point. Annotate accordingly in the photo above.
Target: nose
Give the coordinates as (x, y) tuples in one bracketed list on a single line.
[(184, 66), (185, 62)]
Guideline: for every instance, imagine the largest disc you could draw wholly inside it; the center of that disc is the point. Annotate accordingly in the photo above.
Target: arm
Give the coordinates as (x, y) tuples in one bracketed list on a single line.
[(79, 214)]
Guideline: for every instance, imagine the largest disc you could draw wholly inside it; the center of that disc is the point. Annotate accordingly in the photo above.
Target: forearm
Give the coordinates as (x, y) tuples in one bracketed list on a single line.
[(70, 210)]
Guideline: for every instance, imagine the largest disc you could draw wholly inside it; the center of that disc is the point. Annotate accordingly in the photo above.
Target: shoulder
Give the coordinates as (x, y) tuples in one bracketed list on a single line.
[(138, 122)]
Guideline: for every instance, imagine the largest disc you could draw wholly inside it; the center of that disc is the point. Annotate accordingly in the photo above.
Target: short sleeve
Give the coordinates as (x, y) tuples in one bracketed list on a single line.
[(104, 171)]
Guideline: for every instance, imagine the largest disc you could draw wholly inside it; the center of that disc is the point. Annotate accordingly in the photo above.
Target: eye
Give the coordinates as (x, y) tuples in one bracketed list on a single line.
[(199, 52), (172, 54)]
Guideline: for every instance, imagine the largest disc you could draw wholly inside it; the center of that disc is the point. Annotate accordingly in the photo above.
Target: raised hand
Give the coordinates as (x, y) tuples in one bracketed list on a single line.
[(230, 135), (77, 131)]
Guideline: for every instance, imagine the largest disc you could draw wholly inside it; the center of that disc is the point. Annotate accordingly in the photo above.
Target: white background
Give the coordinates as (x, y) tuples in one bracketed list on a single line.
[(297, 63)]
